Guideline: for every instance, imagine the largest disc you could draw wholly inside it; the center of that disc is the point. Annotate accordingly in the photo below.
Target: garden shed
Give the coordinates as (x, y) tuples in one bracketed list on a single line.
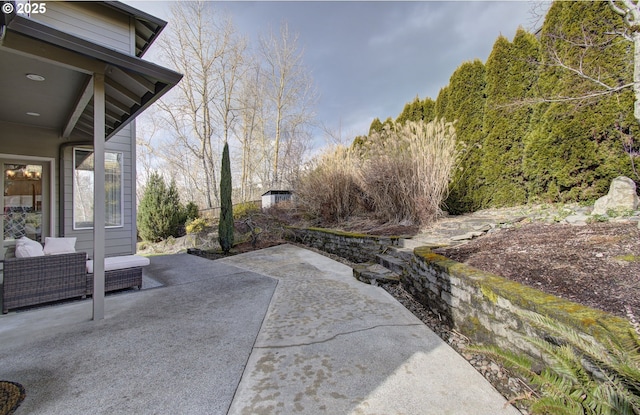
[(272, 197)]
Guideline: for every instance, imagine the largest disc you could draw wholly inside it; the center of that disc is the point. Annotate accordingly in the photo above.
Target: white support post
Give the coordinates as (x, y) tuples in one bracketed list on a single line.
[(98, 195)]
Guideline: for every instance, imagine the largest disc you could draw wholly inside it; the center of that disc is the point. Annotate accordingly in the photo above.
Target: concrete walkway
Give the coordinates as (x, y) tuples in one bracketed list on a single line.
[(277, 331)]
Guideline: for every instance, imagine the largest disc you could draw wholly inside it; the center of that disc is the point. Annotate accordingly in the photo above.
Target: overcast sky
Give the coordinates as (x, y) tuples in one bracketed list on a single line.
[(370, 58)]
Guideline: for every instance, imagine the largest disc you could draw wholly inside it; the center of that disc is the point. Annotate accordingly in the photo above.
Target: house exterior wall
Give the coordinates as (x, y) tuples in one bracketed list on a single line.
[(18, 141), (118, 240), (32, 141), (104, 26), (91, 21)]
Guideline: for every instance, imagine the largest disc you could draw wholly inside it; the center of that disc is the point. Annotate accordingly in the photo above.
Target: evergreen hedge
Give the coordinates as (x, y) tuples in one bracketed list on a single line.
[(521, 140)]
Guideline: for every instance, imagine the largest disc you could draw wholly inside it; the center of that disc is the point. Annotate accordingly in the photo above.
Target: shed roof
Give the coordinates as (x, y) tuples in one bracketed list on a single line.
[(277, 192)]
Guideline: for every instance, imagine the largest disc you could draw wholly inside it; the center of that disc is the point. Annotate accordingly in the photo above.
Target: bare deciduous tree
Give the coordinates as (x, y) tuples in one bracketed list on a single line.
[(250, 134), (630, 10), (204, 46), (263, 100), (289, 91)]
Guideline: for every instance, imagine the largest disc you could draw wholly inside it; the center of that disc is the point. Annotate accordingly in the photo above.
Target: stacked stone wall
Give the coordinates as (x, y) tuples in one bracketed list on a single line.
[(488, 308), (484, 307), (355, 247)]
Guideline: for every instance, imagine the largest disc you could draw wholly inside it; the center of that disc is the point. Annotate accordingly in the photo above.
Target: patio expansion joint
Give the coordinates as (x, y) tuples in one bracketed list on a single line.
[(346, 333)]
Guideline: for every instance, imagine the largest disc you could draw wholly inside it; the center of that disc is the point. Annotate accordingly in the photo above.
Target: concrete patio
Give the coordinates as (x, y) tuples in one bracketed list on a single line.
[(277, 331)]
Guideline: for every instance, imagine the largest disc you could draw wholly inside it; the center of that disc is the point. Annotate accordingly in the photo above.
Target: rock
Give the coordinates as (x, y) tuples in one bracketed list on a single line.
[(468, 235), (577, 219), (621, 197), (484, 227)]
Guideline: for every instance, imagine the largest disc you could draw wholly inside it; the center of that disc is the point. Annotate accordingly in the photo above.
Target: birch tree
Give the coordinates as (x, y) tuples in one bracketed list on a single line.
[(199, 112), (289, 91), (250, 135)]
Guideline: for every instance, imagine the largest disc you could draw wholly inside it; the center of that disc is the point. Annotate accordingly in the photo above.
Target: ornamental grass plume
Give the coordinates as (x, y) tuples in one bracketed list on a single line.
[(329, 189), (406, 170)]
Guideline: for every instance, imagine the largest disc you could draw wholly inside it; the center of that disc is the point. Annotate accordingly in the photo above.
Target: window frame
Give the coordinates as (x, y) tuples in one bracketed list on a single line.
[(120, 158)]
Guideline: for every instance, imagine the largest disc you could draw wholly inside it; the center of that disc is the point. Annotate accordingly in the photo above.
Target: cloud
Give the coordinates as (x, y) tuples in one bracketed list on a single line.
[(370, 58)]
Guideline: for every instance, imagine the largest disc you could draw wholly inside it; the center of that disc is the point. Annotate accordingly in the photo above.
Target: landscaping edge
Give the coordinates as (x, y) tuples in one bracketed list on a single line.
[(482, 306)]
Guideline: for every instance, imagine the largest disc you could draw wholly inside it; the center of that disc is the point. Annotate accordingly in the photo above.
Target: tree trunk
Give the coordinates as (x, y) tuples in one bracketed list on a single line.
[(636, 74)]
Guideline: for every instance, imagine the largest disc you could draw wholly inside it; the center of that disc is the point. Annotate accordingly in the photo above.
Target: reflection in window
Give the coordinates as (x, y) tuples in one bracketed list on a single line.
[(22, 201), (83, 188)]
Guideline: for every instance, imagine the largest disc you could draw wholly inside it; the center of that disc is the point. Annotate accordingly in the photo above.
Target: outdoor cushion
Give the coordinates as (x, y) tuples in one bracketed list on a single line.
[(120, 262), (26, 248), (53, 246)]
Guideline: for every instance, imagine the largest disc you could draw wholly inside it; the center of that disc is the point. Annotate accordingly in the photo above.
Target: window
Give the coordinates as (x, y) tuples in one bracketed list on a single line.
[(23, 200), (83, 188)]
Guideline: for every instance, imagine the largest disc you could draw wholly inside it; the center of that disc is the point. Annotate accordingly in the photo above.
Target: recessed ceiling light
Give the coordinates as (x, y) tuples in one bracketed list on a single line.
[(35, 77), (33, 114)]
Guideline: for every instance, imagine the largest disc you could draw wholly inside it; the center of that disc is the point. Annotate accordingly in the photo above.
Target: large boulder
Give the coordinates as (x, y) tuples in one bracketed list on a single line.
[(622, 197)]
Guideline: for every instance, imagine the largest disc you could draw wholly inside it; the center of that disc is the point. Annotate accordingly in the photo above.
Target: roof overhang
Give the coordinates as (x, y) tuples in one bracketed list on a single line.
[(147, 27), (131, 84)]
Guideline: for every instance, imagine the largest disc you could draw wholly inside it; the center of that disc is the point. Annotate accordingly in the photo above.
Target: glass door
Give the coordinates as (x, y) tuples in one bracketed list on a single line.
[(24, 206)]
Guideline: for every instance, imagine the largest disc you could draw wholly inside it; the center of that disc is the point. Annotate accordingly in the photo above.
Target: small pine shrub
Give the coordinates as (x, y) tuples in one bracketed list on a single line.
[(191, 211), (160, 213)]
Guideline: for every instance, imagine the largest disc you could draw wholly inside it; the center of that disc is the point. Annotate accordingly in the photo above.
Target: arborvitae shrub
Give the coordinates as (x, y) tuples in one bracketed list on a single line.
[(574, 150), (465, 107), (511, 73), (225, 226)]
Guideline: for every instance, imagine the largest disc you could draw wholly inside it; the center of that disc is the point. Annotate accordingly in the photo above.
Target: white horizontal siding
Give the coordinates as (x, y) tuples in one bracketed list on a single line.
[(91, 21)]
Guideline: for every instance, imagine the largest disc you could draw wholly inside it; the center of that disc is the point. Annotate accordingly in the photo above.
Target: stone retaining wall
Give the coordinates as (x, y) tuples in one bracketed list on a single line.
[(352, 246), (484, 306)]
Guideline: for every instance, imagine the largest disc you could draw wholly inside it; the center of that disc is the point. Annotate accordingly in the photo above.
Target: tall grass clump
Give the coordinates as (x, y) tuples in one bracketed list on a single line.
[(329, 189), (406, 168), (398, 174)]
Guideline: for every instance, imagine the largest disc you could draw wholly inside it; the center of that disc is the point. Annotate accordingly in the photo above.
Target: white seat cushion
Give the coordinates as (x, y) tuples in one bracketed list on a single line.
[(120, 262), (54, 246), (26, 248)]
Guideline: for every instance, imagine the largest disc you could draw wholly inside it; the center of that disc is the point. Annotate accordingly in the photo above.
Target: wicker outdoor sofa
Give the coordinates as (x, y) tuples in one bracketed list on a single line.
[(42, 279)]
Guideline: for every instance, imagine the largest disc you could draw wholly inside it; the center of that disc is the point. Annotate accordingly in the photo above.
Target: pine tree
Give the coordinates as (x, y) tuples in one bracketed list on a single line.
[(225, 226), (160, 213)]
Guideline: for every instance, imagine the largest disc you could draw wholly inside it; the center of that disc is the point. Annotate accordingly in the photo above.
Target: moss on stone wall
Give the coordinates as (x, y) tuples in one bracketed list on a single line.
[(585, 319)]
